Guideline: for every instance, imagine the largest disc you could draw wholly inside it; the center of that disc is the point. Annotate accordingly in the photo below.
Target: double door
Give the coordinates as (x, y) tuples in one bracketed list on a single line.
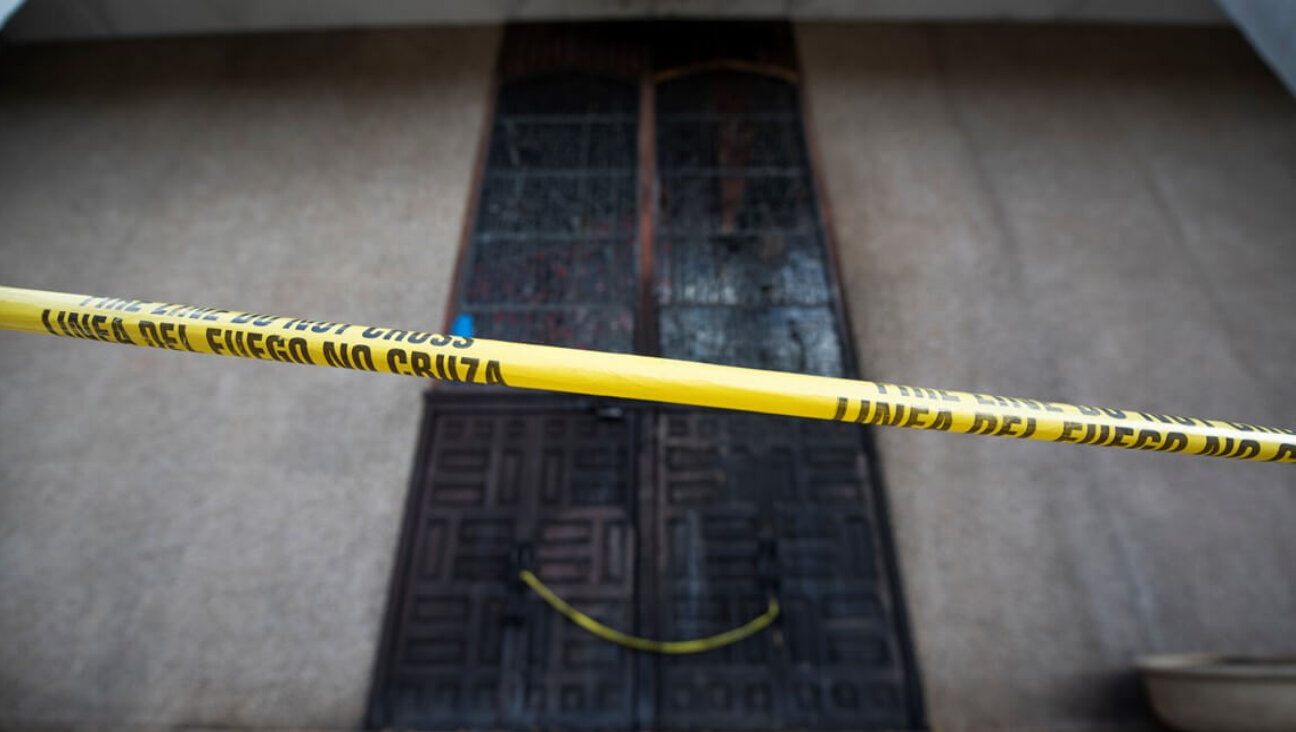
[(661, 522)]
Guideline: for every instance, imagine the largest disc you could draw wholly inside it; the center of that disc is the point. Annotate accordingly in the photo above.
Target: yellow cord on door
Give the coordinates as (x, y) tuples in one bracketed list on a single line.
[(697, 645)]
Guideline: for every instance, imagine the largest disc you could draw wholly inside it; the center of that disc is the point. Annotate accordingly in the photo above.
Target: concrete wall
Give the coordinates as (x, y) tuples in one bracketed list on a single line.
[(1101, 216), (62, 19), (199, 540)]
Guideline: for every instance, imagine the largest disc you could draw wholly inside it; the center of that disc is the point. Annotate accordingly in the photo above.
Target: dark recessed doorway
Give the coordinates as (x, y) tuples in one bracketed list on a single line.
[(646, 188)]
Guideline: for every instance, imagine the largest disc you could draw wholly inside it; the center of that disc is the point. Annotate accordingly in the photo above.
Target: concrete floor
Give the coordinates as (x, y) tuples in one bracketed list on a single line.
[(1096, 215)]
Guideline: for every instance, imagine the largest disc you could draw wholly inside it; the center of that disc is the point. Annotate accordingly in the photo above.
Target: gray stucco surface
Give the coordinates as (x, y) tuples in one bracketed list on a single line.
[(1093, 215), (71, 19), (190, 540), (1102, 216)]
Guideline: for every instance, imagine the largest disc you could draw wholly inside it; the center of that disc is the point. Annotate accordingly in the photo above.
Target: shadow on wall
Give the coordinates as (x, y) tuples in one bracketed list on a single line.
[(69, 19)]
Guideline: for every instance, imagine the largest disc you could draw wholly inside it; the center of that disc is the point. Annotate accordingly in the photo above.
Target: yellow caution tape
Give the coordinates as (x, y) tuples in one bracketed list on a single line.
[(468, 360), (698, 645)]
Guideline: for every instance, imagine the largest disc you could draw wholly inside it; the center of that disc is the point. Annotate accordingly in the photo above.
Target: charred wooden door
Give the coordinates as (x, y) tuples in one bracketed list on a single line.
[(646, 187), (502, 484), (746, 504)]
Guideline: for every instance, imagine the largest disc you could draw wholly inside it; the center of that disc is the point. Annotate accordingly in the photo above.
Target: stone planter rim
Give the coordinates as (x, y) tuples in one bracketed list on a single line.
[(1218, 667)]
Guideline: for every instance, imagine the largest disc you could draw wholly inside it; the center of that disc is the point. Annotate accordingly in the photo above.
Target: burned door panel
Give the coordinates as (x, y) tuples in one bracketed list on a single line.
[(741, 265), (545, 485), (582, 546), (552, 255), (749, 505)]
